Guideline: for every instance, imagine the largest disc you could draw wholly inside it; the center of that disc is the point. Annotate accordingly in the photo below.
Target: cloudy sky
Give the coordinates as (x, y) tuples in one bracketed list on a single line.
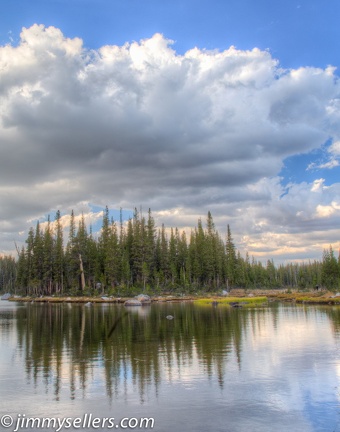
[(182, 106)]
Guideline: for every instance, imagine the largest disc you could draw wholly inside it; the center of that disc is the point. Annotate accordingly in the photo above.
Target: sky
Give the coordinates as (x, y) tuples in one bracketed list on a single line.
[(183, 107)]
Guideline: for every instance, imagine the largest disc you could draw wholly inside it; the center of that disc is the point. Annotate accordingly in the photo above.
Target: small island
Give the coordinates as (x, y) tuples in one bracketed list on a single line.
[(133, 257)]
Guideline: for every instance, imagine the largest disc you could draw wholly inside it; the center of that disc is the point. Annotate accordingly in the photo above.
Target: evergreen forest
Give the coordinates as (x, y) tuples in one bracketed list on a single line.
[(133, 257)]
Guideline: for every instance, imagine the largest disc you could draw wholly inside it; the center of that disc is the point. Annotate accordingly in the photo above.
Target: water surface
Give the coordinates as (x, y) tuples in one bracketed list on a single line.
[(271, 369)]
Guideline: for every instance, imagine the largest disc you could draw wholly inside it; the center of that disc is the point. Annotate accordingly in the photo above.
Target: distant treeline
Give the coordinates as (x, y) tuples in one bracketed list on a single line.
[(128, 258)]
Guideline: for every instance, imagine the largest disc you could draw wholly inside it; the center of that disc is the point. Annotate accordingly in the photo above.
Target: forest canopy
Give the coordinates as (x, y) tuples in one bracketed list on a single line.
[(125, 258)]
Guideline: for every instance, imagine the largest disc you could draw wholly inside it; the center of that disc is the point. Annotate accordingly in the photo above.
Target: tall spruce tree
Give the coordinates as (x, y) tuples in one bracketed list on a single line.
[(59, 254), (330, 270), (230, 259)]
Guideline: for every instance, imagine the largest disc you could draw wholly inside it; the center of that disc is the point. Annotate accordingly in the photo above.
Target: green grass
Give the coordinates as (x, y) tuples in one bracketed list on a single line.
[(225, 301)]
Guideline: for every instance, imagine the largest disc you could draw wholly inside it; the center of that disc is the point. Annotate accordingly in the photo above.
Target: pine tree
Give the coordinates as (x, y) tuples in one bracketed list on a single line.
[(183, 258), (8, 274), (22, 271), (104, 250), (38, 257), (72, 257), (211, 253), (271, 274), (137, 248), (149, 248), (194, 266), (92, 269), (330, 270), (164, 269), (81, 259), (113, 255), (173, 257), (230, 259), (48, 259), (29, 258), (59, 254)]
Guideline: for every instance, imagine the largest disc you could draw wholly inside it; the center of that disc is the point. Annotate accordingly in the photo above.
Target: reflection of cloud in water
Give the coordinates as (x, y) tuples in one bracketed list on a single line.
[(252, 367), (141, 311)]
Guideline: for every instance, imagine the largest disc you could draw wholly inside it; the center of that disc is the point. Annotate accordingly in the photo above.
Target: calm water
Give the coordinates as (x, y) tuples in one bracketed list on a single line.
[(271, 369)]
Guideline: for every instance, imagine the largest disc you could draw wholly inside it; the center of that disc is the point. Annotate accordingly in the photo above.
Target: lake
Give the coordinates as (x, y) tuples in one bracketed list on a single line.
[(271, 368)]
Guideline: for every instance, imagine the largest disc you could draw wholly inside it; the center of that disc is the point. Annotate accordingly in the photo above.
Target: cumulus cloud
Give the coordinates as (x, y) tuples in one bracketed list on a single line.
[(141, 124)]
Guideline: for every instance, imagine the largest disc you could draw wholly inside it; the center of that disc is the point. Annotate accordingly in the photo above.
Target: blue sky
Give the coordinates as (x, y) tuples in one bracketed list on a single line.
[(297, 32), (108, 103)]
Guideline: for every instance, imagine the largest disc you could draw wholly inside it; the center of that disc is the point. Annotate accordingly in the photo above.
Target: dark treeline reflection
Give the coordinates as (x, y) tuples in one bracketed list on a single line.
[(120, 351), (71, 343), (334, 315)]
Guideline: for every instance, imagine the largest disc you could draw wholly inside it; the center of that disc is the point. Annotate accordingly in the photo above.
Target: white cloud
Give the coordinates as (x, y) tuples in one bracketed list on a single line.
[(140, 124), (332, 158), (333, 163), (334, 149)]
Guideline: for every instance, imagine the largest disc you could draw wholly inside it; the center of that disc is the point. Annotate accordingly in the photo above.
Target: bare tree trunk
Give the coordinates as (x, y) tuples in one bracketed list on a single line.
[(82, 277)]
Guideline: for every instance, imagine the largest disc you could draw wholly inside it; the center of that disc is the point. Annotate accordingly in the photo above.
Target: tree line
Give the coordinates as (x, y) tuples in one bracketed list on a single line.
[(129, 257)]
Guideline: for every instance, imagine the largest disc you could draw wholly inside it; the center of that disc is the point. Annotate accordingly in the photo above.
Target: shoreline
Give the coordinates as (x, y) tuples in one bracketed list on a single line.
[(86, 299), (311, 297)]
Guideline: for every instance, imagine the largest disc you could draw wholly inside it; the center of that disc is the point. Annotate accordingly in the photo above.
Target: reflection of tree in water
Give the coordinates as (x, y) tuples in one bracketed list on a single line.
[(135, 347), (333, 313)]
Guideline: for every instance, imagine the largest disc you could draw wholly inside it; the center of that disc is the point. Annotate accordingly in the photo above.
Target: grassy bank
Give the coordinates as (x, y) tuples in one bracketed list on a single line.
[(232, 301), (325, 298)]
